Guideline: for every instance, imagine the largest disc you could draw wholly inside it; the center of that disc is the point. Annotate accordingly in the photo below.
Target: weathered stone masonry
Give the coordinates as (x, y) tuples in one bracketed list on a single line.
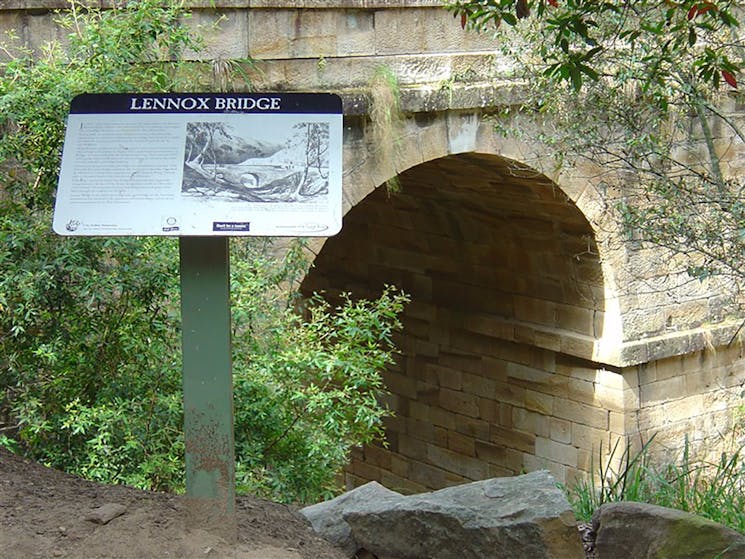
[(536, 332)]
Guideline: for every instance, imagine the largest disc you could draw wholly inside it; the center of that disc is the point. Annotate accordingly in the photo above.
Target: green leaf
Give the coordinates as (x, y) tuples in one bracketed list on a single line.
[(509, 18), (576, 77)]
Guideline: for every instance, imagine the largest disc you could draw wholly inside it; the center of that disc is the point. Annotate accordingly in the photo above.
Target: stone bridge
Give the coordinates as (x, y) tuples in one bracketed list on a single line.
[(537, 333)]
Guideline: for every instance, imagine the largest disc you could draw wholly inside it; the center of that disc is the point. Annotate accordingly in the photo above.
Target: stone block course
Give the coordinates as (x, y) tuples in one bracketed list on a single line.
[(582, 391), (226, 34), (400, 484), (608, 398), (555, 451), (663, 390), (509, 394), (33, 29), (511, 438), (576, 345), (496, 256), (453, 462), (478, 385), (377, 456), (530, 422), (535, 310), (560, 430), (430, 476), (459, 402), (671, 412), (494, 369), (617, 422), (461, 444), (505, 415), (446, 376), (539, 402), (401, 384), (441, 436), (415, 449), (424, 431), (589, 438), (533, 463), (568, 402), (491, 453), (581, 414), (364, 470), (576, 319)]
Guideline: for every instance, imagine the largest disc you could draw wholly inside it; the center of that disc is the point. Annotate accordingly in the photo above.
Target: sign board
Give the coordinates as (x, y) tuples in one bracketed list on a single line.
[(201, 164)]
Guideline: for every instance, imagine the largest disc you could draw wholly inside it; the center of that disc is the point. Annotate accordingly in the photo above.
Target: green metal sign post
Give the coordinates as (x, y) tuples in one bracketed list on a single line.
[(208, 384)]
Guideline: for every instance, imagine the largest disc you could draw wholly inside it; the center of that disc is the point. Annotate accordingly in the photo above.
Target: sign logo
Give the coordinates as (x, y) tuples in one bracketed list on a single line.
[(231, 226), (170, 224)]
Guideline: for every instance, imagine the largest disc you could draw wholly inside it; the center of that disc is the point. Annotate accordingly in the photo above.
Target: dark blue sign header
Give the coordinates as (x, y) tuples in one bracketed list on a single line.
[(161, 103)]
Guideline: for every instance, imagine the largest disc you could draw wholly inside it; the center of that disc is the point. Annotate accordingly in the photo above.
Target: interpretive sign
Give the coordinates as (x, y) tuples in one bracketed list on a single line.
[(201, 164)]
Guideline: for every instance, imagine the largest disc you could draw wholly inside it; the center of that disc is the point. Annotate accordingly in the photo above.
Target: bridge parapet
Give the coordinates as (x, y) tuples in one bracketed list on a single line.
[(328, 46)]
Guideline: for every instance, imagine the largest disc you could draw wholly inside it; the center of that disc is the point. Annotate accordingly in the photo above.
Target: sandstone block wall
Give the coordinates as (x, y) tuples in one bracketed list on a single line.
[(698, 397)]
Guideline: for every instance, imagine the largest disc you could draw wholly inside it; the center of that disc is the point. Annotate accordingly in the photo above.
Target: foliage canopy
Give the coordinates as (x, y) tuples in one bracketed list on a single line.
[(643, 91), (575, 38)]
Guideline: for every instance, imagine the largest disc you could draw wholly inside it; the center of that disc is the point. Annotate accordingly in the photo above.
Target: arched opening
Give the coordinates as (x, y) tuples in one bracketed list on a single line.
[(507, 304)]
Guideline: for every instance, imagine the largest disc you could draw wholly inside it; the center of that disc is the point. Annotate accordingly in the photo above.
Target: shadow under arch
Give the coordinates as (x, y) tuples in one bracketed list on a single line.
[(507, 295)]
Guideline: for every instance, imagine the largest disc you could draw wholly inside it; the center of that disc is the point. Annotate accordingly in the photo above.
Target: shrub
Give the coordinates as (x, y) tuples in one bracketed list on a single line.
[(308, 390)]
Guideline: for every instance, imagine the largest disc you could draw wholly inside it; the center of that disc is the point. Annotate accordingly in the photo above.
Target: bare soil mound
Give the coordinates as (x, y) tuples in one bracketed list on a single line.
[(43, 513)]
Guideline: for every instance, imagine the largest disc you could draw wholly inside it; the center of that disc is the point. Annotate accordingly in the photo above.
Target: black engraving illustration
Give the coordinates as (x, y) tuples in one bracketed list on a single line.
[(225, 163)]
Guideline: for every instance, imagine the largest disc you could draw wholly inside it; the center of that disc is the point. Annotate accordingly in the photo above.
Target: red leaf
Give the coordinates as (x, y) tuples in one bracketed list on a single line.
[(729, 78), (554, 3), (692, 12), (705, 7), (463, 20), (522, 10)]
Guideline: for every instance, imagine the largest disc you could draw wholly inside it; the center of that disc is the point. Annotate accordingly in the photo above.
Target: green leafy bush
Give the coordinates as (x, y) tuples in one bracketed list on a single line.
[(90, 371), (308, 390)]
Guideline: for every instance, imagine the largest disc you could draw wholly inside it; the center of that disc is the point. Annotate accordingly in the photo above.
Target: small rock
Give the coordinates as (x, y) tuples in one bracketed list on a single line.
[(106, 513)]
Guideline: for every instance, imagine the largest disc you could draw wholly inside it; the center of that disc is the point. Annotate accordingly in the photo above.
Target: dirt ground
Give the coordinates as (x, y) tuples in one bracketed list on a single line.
[(43, 515)]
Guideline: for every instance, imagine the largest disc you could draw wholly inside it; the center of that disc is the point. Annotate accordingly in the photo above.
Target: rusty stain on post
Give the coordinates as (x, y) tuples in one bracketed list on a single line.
[(208, 385)]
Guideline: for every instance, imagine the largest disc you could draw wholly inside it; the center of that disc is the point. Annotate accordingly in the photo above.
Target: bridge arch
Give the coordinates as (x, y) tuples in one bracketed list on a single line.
[(509, 308)]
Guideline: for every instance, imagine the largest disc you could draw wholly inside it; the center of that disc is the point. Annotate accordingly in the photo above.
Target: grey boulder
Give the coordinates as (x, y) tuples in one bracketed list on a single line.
[(523, 517), (640, 531)]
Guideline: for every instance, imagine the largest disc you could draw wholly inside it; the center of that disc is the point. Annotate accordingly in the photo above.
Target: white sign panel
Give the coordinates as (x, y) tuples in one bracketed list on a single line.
[(264, 164)]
